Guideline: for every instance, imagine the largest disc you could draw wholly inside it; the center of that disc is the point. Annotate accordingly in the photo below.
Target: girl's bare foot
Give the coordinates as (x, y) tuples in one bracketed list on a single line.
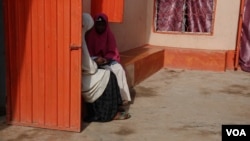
[(122, 116)]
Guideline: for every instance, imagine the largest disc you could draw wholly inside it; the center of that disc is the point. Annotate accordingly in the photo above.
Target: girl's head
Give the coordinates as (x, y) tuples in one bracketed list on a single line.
[(101, 22)]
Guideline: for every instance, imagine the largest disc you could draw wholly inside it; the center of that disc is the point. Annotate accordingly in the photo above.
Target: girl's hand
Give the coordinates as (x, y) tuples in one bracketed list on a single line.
[(100, 60)]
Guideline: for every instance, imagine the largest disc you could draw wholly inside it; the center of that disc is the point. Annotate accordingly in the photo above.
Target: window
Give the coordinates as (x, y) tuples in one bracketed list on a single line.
[(191, 16)]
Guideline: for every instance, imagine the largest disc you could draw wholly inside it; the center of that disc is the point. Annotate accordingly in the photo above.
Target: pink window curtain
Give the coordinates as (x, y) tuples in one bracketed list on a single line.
[(169, 15), (244, 60), (184, 15), (199, 15)]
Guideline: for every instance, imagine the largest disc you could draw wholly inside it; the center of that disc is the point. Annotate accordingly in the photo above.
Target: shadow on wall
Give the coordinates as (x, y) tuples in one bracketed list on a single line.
[(12, 43), (2, 63)]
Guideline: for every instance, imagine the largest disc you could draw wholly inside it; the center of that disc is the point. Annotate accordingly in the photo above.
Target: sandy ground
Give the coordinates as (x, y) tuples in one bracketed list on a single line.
[(171, 105)]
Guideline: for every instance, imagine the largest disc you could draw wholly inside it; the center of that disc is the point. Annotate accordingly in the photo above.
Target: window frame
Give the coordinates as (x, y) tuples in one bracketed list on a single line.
[(184, 32)]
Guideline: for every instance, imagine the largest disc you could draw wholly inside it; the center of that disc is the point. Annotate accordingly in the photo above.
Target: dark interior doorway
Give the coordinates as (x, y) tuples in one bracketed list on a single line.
[(2, 64)]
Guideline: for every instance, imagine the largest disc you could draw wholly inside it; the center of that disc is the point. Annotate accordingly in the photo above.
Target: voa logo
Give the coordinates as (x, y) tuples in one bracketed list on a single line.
[(236, 132)]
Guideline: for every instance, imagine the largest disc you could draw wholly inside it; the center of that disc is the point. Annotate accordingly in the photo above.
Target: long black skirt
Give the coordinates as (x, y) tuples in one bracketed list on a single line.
[(106, 106)]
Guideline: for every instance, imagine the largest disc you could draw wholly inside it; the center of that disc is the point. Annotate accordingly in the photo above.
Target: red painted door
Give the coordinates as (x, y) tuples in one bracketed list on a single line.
[(112, 8), (43, 40)]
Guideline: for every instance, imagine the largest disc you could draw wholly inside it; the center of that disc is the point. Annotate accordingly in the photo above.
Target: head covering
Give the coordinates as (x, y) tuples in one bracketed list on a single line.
[(87, 22), (104, 44), (100, 19), (94, 80), (88, 66)]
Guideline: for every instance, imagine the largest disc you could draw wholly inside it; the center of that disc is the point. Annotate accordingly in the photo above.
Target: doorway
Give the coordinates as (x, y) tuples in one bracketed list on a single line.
[(2, 64)]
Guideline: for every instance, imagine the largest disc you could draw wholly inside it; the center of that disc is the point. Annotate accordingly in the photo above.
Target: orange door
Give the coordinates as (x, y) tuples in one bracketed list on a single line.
[(43, 40), (112, 8)]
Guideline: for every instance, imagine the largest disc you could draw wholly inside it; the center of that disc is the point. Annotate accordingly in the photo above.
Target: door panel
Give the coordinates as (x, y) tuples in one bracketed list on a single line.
[(44, 74), (112, 8), (64, 38), (76, 40)]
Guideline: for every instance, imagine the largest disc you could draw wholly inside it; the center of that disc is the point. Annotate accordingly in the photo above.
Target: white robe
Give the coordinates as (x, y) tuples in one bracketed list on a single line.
[(94, 80), (120, 74)]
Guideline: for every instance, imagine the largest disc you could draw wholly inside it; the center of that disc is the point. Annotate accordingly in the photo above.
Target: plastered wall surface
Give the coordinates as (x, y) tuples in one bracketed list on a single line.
[(131, 32), (137, 28), (86, 5), (223, 38)]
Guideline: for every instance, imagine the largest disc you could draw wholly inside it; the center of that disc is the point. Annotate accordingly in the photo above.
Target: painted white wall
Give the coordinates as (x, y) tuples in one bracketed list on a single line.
[(86, 6), (131, 32), (137, 28), (225, 30)]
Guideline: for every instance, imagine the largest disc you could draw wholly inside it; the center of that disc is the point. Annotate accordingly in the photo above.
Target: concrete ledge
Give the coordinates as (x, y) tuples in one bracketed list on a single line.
[(195, 59), (141, 62)]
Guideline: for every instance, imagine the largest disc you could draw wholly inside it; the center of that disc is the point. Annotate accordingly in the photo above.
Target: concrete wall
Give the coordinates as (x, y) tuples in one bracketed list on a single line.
[(225, 30), (86, 5), (137, 28), (131, 32)]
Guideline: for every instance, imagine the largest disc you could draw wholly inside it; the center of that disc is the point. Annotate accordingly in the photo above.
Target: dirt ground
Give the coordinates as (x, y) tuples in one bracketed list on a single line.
[(171, 105)]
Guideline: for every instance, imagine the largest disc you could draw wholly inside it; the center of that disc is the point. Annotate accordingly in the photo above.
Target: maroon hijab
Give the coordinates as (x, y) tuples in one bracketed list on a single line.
[(103, 45)]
